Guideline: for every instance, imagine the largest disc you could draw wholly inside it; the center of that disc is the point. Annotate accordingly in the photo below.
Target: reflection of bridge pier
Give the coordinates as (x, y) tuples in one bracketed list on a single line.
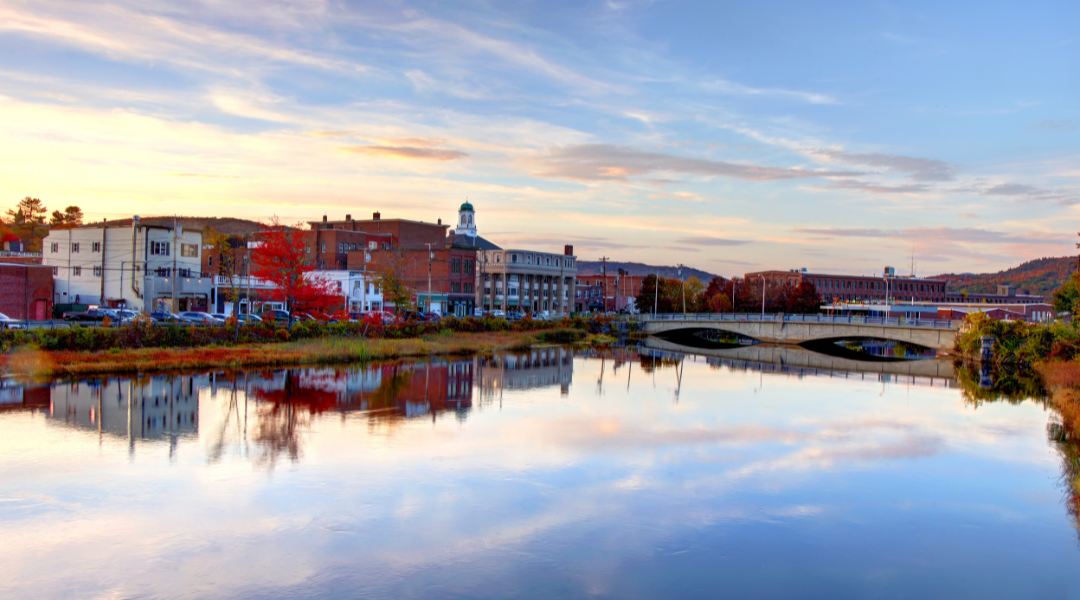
[(800, 361)]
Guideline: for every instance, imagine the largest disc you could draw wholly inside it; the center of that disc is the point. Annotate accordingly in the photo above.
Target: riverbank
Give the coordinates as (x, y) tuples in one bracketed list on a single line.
[(31, 362)]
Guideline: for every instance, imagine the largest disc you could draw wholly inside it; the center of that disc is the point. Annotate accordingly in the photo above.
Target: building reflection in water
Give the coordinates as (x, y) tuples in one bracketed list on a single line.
[(264, 414)]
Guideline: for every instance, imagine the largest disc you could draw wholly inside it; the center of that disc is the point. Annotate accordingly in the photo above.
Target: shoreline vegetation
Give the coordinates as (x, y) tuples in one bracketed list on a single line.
[(144, 348)]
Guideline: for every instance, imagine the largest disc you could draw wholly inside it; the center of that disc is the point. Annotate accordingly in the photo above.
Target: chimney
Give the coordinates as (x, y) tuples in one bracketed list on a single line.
[(568, 250), (324, 218), (376, 216), (348, 217), (440, 221)]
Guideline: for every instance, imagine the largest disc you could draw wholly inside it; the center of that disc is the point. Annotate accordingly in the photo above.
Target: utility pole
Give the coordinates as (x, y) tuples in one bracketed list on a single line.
[(174, 277), (683, 288), (656, 294), (429, 257), (603, 260)]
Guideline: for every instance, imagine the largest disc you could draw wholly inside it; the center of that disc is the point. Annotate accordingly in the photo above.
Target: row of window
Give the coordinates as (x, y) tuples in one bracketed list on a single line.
[(458, 288), (156, 248), (529, 259), (459, 265), (161, 272), (833, 284), (344, 247)]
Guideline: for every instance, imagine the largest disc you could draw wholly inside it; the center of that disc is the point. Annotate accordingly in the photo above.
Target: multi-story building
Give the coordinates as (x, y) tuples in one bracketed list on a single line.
[(140, 267), (517, 280), (887, 286)]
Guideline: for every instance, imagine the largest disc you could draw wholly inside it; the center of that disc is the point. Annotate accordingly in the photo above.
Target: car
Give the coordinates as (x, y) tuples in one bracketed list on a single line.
[(478, 312), (432, 317), (222, 316), (245, 319), (164, 316), (199, 318), (514, 316), (7, 322), (277, 315), (93, 313)]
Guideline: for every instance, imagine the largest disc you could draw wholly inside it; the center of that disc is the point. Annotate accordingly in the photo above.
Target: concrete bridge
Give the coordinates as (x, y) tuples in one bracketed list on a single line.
[(798, 329)]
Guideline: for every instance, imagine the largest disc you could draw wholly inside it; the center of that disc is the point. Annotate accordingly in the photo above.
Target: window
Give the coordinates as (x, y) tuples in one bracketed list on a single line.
[(97, 271), (323, 247), (189, 250), (386, 246), (373, 245), (75, 247), (185, 272), (55, 270), (54, 247), (96, 247), (513, 258), (159, 248), (76, 271)]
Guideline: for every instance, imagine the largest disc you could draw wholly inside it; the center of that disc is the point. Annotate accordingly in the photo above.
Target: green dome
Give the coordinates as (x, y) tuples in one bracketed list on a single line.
[(467, 207)]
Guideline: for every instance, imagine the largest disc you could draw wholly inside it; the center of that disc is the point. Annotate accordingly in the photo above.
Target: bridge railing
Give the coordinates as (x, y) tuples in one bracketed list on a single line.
[(798, 318)]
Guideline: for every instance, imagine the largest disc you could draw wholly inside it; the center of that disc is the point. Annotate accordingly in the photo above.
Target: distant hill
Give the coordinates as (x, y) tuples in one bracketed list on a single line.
[(225, 225), (1040, 276), (595, 267)]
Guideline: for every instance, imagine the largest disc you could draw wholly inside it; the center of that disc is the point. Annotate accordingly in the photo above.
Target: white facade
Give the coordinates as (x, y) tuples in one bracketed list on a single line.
[(133, 266), (357, 289)]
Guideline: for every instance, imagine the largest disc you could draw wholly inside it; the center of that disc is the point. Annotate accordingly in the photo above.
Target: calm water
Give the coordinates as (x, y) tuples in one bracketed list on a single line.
[(553, 475)]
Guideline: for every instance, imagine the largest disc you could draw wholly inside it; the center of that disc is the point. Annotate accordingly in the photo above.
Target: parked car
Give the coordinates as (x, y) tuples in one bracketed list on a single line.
[(478, 312), (199, 318), (514, 316), (245, 319), (7, 322), (497, 314), (222, 316), (91, 314), (432, 317), (164, 316), (277, 315)]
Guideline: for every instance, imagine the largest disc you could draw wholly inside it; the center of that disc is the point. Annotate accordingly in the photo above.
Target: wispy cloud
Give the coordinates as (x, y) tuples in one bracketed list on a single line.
[(875, 188), (737, 89), (412, 152), (963, 234), (1054, 125), (1030, 192), (710, 241), (919, 169), (598, 162)]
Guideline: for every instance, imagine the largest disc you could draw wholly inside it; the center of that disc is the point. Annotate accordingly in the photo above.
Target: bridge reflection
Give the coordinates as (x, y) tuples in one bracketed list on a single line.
[(801, 362)]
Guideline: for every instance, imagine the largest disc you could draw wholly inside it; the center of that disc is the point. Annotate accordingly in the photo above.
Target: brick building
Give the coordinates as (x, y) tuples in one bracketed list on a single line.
[(619, 290), (842, 288), (26, 291)]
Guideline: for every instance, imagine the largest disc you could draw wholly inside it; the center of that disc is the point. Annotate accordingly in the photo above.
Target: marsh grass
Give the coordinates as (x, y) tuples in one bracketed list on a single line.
[(32, 362)]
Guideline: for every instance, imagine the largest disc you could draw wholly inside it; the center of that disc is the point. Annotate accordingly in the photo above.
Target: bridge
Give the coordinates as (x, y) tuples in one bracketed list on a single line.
[(798, 329)]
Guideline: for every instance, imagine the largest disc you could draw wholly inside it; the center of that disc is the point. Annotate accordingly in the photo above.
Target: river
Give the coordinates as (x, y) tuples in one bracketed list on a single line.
[(558, 473)]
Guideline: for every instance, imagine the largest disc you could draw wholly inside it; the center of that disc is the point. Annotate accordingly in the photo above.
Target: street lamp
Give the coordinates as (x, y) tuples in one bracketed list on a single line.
[(762, 296)]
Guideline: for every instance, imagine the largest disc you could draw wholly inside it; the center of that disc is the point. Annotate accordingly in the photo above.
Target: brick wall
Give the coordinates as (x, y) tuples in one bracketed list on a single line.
[(23, 285)]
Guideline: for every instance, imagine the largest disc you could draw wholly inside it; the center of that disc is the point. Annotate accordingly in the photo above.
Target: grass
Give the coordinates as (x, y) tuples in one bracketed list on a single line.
[(32, 362)]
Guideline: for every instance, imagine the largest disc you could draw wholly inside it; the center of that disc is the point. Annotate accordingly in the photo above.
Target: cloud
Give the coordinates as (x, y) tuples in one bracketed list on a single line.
[(965, 234), (919, 169), (439, 154), (711, 241), (875, 188), (737, 89), (206, 176), (607, 162), (1030, 192), (1054, 125)]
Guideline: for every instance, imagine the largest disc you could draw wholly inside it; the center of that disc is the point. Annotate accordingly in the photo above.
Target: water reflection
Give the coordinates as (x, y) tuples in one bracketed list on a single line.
[(599, 473)]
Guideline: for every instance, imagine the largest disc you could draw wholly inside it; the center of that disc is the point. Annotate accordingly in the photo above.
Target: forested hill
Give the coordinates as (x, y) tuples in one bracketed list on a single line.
[(226, 225), (1039, 276), (595, 267)]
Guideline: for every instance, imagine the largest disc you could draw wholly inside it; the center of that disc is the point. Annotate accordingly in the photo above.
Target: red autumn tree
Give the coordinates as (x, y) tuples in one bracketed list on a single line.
[(283, 259)]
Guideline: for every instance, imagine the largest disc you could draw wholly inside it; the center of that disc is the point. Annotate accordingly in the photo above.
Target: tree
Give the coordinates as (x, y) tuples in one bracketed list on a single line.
[(392, 276), (282, 258), (1065, 298), (72, 215), (668, 300), (28, 222)]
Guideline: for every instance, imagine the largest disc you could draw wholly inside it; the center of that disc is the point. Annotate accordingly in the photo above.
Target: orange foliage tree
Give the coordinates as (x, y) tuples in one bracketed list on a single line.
[(283, 259)]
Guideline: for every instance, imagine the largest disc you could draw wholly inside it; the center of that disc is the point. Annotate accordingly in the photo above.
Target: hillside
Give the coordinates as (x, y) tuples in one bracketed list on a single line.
[(1039, 276), (595, 267), (226, 225)]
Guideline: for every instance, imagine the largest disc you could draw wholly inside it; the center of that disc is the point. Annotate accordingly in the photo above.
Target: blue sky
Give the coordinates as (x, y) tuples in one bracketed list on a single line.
[(728, 136)]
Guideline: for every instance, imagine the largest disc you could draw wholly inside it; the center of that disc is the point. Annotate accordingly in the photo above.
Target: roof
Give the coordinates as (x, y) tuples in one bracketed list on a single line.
[(466, 206), (472, 241)]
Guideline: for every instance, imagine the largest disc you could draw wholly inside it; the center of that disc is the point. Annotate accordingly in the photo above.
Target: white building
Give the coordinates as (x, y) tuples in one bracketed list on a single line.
[(131, 266), (357, 289)]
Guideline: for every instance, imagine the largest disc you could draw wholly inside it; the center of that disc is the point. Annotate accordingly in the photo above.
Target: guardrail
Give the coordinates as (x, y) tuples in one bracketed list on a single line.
[(799, 318)]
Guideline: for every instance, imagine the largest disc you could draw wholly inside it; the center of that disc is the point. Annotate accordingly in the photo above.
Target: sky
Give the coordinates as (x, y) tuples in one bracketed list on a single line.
[(729, 136)]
